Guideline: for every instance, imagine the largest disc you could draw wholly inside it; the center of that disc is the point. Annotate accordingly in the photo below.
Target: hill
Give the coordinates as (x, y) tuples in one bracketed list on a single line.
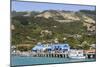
[(53, 26)]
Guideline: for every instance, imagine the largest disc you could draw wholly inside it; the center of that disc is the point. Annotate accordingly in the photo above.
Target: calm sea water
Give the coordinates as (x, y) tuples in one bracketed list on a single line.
[(18, 60)]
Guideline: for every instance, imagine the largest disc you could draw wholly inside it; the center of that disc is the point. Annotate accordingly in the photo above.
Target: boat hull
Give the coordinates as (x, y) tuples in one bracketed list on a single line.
[(77, 57)]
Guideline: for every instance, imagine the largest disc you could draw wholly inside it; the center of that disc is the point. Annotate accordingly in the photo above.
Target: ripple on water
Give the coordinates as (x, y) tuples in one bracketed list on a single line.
[(18, 60)]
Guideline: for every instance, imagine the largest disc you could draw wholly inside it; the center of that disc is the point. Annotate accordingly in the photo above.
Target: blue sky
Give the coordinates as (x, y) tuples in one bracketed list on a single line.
[(33, 6)]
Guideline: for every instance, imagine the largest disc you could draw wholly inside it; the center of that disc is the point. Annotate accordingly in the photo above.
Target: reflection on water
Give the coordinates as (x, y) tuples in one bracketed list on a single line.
[(17, 60)]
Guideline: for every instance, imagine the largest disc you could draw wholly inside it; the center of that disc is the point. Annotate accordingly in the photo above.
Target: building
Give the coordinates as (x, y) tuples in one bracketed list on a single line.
[(23, 47), (60, 47), (38, 47), (51, 47), (90, 53)]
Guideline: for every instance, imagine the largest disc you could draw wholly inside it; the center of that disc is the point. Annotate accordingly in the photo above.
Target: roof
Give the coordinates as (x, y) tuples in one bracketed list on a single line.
[(89, 51), (23, 45), (38, 47), (50, 46), (62, 46)]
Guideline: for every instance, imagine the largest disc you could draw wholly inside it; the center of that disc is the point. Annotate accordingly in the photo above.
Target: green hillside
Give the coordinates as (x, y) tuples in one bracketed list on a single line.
[(31, 29)]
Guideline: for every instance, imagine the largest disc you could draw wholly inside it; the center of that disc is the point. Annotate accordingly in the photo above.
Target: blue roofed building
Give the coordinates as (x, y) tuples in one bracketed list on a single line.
[(52, 47), (38, 47)]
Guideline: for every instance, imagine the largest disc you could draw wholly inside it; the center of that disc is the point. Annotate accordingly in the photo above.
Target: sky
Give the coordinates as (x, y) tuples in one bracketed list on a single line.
[(36, 6)]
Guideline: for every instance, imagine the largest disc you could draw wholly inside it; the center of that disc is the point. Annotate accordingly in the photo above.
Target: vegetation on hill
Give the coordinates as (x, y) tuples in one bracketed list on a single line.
[(31, 30)]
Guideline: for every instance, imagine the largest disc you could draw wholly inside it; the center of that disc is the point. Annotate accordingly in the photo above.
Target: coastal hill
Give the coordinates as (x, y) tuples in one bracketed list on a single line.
[(62, 26)]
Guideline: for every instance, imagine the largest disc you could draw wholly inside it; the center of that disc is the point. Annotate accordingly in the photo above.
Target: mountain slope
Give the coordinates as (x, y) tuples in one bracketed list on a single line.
[(50, 25)]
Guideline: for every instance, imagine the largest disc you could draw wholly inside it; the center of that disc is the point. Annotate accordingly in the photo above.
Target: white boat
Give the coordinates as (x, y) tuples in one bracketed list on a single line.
[(76, 54), (77, 57)]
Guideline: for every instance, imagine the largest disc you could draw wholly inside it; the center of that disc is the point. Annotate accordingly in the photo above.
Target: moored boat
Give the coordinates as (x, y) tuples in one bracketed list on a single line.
[(76, 54), (77, 57)]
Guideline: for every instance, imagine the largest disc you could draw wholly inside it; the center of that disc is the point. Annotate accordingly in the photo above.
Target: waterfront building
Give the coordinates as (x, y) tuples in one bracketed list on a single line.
[(90, 53), (51, 47), (51, 50)]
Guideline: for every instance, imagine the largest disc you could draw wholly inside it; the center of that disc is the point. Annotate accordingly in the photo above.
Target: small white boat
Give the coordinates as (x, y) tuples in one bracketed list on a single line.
[(76, 54), (77, 57)]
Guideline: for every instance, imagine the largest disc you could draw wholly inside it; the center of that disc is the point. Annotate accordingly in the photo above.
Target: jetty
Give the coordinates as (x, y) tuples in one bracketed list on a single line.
[(90, 53), (58, 55)]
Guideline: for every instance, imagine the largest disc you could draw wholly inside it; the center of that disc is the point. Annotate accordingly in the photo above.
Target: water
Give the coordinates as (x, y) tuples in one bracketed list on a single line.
[(18, 60)]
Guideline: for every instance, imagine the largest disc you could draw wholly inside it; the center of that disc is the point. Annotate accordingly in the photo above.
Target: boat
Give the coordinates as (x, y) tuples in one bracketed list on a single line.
[(77, 57), (76, 54)]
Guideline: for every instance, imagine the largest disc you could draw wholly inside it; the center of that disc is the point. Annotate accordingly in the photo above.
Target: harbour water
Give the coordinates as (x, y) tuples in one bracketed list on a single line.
[(19, 60)]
